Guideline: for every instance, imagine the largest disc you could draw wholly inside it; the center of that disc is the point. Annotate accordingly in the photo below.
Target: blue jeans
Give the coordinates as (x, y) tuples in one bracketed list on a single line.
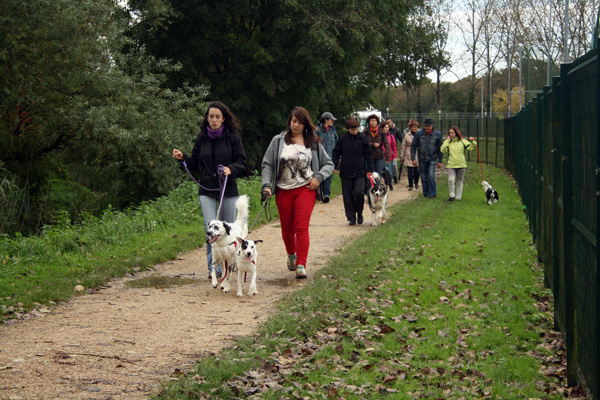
[(427, 173), (209, 208), (378, 165), (326, 187)]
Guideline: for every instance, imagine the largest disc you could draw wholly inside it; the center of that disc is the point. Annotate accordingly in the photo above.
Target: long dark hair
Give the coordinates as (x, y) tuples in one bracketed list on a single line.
[(310, 139), (457, 131), (230, 122)]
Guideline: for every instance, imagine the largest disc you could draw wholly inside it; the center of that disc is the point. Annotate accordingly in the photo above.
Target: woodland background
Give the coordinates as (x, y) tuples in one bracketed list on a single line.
[(96, 93)]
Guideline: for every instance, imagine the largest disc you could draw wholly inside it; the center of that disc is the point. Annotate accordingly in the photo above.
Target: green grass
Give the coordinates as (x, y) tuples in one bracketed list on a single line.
[(440, 302)]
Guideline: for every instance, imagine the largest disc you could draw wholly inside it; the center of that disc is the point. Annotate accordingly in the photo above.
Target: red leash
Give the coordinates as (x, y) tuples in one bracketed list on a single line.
[(480, 166)]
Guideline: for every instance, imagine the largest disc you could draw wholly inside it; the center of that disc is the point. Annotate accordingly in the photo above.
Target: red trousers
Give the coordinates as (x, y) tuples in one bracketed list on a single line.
[(295, 209)]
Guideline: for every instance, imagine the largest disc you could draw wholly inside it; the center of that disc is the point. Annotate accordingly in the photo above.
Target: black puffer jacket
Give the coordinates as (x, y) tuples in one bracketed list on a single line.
[(209, 153)]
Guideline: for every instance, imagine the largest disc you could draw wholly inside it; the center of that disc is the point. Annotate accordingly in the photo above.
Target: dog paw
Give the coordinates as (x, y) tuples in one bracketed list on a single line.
[(239, 294)]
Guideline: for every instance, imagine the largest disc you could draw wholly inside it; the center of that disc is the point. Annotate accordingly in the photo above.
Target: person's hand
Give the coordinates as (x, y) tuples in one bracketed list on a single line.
[(178, 155), (471, 138), (376, 144), (438, 165), (314, 184), (415, 163), (335, 171), (265, 194), (226, 171)]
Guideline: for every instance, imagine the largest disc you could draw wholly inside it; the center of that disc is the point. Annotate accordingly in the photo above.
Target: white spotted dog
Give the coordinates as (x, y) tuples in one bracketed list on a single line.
[(378, 199), (245, 262), (490, 193), (222, 237)]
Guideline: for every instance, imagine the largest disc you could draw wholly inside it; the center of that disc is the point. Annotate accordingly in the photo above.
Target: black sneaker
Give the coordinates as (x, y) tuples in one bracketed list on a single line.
[(395, 180), (360, 220), (326, 199), (451, 199), (352, 223)]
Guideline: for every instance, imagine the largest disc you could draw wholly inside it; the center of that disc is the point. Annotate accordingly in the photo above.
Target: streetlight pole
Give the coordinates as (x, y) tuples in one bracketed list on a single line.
[(566, 34), (520, 77)]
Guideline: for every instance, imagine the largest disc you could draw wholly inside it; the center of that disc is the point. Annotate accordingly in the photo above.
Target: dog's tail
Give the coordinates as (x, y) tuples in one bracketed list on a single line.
[(242, 204)]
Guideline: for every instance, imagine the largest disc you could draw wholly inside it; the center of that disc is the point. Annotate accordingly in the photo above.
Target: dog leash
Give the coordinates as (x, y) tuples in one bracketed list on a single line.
[(222, 183), (480, 166), (266, 205)]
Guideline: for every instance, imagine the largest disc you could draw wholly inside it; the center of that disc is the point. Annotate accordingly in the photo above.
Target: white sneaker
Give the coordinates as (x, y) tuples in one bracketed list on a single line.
[(301, 272)]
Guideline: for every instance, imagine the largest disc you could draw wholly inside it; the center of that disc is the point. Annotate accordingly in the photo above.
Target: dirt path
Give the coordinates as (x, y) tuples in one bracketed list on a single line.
[(120, 342)]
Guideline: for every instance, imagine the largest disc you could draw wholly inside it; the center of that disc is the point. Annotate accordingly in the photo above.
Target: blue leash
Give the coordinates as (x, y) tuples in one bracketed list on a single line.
[(222, 183)]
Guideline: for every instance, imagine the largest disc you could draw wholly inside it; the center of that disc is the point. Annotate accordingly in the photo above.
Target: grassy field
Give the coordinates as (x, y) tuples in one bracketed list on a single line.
[(445, 301)]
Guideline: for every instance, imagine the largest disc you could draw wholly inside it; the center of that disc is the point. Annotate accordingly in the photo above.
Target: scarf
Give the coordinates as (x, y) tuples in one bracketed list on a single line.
[(215, 134), (374, 131)]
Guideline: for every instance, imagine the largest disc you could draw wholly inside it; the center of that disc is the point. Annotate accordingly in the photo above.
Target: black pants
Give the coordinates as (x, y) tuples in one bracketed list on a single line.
[(353, 193), (413, 175)]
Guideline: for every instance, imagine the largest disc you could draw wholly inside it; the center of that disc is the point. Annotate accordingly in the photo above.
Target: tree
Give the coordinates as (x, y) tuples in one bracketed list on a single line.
[(500, 100), (76, 108), (262, 58)]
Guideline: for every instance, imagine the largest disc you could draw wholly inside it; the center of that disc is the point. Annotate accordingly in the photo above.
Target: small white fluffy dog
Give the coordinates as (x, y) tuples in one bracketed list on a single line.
[(378, 200), (222, 236), (245, 261), (490, 193)]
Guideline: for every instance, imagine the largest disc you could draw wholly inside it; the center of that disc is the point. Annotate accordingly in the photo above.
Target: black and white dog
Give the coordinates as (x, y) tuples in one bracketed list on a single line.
[(246, 257), (490, 193), (223, 238), (377, 196)]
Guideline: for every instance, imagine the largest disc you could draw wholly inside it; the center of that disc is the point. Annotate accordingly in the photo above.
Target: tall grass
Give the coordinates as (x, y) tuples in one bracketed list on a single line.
[(45, 268)]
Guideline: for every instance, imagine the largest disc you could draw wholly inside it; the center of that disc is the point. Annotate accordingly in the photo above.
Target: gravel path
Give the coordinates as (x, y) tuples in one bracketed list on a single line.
[(121, 342)]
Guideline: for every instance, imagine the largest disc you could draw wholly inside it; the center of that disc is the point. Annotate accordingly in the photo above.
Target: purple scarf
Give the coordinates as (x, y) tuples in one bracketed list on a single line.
[(215, 134)]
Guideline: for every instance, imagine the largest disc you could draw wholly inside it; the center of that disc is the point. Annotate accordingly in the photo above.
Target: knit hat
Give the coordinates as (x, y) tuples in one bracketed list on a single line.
[(428, 121)]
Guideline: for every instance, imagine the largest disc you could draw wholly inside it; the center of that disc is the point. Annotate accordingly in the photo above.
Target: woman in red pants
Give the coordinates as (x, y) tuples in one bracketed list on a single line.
[(294, 167)]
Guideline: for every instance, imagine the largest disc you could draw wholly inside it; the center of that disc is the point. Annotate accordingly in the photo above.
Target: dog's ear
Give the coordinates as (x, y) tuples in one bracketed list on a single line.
[(227, 227), (258, 241), (239, 239)]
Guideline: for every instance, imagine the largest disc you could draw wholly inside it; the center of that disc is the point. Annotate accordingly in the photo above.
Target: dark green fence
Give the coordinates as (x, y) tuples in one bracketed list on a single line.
[(489, 133), (551, 147)]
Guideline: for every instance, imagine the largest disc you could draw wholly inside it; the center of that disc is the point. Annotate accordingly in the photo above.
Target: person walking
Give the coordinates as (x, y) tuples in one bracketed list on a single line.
[(293, 168), (427, 143), (329, 137), (218, 143), (353, 159), (455, 147), (411, 171), (389, 165), (380, 149), (399, 136)]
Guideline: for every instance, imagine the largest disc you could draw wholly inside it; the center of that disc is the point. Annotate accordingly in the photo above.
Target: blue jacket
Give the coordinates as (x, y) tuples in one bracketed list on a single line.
[(428, 146), (328, 139)]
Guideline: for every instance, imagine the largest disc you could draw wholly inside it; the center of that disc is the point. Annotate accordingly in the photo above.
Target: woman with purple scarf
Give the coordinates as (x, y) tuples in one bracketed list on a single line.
[(218, 143)]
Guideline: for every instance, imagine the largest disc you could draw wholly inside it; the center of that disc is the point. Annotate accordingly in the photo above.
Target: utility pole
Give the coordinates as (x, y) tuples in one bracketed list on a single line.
[(566, 34)]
